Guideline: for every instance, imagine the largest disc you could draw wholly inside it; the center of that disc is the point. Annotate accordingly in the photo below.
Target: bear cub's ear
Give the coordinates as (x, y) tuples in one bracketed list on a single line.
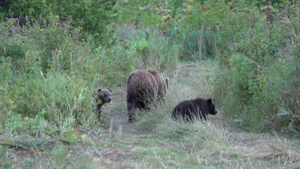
[(110, 90), (209, 101)]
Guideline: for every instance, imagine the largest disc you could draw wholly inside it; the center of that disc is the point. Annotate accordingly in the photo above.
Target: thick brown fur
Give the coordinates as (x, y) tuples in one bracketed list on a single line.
[(141, 91), (198, 108), (161, 83), (102, 96)]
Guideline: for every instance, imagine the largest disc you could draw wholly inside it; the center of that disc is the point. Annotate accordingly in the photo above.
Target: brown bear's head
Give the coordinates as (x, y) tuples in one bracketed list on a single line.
[(104, 95), (211, 107)]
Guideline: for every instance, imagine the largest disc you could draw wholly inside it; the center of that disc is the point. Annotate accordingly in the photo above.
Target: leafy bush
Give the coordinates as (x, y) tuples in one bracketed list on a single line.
[(45, 106), (12, 49), (159, 54), (199, 45), (50, 93), (5, 160), (91, 15), (108, 67), (51, 98), (149, 49), (257, 84), (56, 43)]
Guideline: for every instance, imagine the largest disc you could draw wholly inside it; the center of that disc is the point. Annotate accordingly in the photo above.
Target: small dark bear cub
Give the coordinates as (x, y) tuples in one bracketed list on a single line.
[(189, 110), (102, 96)]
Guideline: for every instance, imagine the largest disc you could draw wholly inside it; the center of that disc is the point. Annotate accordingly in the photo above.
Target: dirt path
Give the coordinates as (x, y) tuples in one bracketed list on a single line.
[(117, 110), (190, 73), (120, 121), (251, 146), (128, 145)]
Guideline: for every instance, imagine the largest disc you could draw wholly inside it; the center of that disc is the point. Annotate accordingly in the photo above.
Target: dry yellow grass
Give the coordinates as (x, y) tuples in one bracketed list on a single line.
[(156, 141)]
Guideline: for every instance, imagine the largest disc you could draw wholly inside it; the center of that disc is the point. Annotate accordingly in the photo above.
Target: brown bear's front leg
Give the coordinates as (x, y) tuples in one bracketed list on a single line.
[(99, 107)]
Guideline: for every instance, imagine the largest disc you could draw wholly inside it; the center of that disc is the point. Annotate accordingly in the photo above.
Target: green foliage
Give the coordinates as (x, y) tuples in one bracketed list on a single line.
[(242, 77), (273, 2), (143, 47), (49, 74), (45, 106), (262, 97), (257, 84), (149, 49), (49, 69), (46, 98), (56, 43), (12, 49), (5, 161), (60, 96), (59, 156), (203, 28), (199, 45), (62, 161), (158, 53), (139, 12), (91, 15), (109, 67)]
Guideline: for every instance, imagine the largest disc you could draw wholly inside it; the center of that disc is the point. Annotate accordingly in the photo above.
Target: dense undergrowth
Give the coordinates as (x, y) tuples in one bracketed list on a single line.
[(52, 86), (256, 44), (51, 66)]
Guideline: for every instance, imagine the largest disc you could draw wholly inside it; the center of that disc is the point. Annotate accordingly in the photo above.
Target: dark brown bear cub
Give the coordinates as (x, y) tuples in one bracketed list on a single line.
[(189, 110), (102, 96)]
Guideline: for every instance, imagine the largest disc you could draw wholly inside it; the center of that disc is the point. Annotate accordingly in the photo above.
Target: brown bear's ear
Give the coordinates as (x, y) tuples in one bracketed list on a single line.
[(99, 90), (110, 90), (209, 101)]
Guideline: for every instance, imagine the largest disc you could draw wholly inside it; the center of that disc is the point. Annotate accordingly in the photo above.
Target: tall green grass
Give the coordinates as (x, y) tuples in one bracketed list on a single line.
[(149, 48), (210, 144), (49, 74), (258, 85)]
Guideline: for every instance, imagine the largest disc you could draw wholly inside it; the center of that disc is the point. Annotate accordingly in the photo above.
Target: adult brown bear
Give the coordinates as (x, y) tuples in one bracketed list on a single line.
[(198, 108), (161, 83), (141, 90)]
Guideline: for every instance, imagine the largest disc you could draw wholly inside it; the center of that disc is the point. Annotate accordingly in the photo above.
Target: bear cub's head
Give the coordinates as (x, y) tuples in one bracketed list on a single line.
[(211, 107), (104, 95)]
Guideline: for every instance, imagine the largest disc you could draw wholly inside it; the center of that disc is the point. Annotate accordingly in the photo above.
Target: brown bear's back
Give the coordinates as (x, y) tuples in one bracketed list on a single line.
[(196, 108), (160, 82), (141, 85)]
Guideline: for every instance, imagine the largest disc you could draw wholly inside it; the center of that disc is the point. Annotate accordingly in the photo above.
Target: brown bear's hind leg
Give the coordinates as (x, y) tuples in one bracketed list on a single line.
[(131, 105)]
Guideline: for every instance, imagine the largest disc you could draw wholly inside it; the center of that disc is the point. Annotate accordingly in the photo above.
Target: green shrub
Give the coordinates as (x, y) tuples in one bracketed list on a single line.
[(12, 49), (51, 105), (149, 48), (199, 45), (56, 43), (257, 85), (58, 94), (108, 67), (140, 13), (159, 53), (91, 15), (6, 103), (5, 161)]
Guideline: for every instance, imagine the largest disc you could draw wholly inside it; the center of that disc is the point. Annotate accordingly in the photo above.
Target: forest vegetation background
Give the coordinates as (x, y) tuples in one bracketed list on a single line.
[(54, 54)]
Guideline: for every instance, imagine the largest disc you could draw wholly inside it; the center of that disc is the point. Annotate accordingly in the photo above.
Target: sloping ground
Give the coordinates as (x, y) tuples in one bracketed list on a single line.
[(211, 145), (156, 141)]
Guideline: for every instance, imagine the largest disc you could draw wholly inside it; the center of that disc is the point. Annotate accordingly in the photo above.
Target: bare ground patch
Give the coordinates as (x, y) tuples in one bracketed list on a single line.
[(128, 145)]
